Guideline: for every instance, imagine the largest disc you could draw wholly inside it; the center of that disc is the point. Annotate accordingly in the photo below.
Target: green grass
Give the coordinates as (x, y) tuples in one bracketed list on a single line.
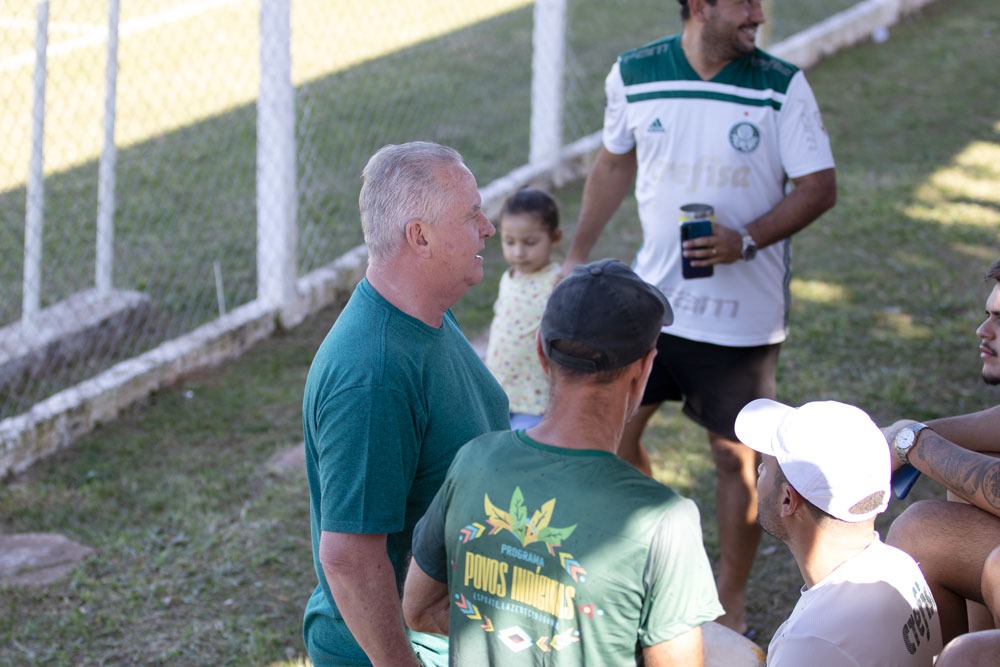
[(203, 554)]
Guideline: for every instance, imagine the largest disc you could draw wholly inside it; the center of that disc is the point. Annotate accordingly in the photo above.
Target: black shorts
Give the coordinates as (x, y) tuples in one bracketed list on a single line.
[(714, 381)]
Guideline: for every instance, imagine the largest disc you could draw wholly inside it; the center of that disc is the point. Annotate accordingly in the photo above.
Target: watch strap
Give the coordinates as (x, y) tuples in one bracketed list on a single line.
[(749, 249), (903, 452)]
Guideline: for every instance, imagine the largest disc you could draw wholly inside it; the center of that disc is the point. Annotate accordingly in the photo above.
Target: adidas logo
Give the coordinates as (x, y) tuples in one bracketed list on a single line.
[(656, 126)]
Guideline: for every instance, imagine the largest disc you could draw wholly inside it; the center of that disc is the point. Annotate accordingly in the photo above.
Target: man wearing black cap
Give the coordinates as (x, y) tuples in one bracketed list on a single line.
[(704, 117), (542, 545)]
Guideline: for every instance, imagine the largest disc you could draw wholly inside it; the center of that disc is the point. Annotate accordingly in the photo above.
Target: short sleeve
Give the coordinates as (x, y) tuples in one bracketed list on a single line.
[(368, 446), (680, 587), (616, 136), (804, 142)]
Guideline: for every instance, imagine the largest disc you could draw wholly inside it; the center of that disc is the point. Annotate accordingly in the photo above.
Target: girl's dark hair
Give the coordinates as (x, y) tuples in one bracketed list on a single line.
[(994, 271), (534, 202)]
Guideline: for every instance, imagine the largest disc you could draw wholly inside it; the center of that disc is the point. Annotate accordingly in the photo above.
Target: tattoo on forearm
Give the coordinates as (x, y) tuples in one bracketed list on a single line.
[(991, 486), (965, 472)]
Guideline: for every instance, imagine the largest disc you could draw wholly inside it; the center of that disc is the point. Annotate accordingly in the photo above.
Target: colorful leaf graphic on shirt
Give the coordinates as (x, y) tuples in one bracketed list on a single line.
[(470, 610), (527, 532), (554, 537), (471, 532), (573, 567), (559, 641), (496, 518), (518, 513)]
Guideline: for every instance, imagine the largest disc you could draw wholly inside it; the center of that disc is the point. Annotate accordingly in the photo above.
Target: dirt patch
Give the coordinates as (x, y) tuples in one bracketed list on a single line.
[(287, 461)]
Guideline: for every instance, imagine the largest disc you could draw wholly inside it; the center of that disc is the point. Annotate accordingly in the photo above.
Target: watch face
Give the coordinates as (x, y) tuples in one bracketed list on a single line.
[(905, 440)]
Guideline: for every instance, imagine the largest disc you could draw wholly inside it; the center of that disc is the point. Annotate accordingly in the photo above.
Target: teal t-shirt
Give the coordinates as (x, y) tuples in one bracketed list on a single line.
[(388, 402), (561, 557)]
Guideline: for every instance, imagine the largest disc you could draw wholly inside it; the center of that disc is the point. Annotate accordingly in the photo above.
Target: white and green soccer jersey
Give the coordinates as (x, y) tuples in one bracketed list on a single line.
[(731, 142)]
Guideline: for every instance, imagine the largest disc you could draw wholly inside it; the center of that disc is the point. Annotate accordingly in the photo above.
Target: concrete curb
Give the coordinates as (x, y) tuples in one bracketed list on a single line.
[(57, 421)]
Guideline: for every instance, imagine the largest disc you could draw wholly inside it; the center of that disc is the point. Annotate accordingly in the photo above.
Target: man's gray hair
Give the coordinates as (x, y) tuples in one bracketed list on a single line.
[(402, 182)]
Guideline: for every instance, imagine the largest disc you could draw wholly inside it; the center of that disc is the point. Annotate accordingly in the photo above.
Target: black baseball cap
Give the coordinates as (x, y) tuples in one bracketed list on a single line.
[(605, 306)]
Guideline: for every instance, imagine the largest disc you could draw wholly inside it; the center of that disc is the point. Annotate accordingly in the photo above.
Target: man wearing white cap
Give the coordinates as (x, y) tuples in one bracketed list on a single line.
[(823, 480)]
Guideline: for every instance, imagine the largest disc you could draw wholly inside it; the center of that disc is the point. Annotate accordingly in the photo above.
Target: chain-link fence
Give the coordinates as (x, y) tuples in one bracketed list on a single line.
[(128, 191), (466, 83), (183, 206)]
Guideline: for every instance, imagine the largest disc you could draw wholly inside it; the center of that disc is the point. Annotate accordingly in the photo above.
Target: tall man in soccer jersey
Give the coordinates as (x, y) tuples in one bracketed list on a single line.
[(705, 117)]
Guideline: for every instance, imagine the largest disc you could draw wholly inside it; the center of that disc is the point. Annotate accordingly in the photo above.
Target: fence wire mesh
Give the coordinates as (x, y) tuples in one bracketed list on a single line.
[(366, 73)]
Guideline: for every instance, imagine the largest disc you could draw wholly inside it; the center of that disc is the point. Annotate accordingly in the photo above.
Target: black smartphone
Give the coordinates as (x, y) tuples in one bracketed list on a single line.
[(692, 229), (903, 480)]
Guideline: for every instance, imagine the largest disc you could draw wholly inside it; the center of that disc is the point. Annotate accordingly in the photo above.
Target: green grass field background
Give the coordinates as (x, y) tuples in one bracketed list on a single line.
[(203, 553)]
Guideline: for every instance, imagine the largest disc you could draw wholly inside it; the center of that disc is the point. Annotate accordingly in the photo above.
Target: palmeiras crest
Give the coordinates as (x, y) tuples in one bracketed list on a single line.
[(744, 137)]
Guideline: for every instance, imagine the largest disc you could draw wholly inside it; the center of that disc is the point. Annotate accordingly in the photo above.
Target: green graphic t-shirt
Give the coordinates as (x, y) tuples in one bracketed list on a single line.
[(561, 557)]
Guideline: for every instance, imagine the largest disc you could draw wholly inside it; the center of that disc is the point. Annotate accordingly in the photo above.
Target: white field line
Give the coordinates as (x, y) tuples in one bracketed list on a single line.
[(99, 34)]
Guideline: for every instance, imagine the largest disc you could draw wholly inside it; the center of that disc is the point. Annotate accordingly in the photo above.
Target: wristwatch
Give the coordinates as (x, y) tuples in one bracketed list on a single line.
[(749, 245), (905, 438)]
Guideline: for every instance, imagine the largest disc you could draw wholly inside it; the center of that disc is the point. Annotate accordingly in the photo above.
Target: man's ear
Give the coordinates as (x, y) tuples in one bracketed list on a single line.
[(647, 367), (416, 233), (697, 8), (639, 373), (791, 500), (540, 351)]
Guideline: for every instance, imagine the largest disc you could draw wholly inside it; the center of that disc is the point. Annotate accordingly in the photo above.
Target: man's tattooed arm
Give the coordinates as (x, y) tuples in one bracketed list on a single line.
[(972, 476)]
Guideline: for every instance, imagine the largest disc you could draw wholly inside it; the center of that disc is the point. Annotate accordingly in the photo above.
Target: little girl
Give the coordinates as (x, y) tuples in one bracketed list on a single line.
[(529, 229)]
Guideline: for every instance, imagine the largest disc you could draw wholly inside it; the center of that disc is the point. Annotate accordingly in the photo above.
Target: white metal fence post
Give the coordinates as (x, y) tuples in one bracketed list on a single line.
[(765, 34), (276, 201), (547, 67), (34, 207), (104, 268)]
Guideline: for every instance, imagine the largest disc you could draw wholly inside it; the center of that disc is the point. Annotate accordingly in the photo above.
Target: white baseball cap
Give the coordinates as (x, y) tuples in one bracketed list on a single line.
[(832, 453)]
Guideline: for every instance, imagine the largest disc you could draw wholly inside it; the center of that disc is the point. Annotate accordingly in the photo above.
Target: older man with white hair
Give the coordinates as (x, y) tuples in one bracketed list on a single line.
[(393, 392)]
